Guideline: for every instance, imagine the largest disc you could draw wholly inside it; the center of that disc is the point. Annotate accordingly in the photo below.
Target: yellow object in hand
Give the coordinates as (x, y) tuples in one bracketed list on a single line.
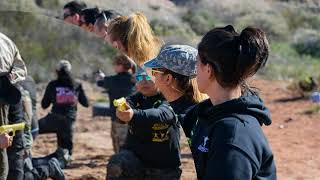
[(12, 128), (120, 104)]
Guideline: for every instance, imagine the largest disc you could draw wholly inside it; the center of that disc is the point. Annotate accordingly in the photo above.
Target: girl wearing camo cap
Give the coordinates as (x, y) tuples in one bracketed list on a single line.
[(174, 71)]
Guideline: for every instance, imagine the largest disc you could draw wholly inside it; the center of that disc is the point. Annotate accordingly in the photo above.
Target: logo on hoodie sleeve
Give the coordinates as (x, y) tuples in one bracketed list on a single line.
[(203, 147)]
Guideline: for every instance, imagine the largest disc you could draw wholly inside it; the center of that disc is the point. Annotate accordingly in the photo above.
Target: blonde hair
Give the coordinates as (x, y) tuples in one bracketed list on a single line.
[(136, 35), (188, 86), (192, 91)]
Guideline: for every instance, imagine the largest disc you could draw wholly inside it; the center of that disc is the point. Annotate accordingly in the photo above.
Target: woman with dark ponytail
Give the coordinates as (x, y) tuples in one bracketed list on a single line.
[(227, 141), (63, 93)]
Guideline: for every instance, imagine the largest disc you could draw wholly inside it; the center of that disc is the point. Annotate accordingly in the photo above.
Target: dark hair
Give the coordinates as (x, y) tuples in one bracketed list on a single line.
[(65, 77), (108, 15), (125, 61), (104, 17), (234, 57), (90, 15), (75, 6)]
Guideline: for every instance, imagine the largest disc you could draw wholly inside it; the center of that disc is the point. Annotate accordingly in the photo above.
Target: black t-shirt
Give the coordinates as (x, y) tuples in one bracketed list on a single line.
[(64, 98), (153, 132), (117, 86)]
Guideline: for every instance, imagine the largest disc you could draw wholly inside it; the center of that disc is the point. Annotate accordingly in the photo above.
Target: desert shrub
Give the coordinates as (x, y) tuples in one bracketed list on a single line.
[(307, 42), (200, 21), (167, 29), (300, 17), (273, 24)]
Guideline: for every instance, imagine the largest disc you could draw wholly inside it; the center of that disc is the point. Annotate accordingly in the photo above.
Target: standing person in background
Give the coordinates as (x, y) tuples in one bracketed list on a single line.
[(63, 93), (12, 70), (88, 18), (103, 20), (133, 36), (227, 141), (71, 12), (117, 86)]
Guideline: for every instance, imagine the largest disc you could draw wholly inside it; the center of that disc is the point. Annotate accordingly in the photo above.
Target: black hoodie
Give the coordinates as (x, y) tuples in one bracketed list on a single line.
[(227, 141), (153, 132), (64, 98)]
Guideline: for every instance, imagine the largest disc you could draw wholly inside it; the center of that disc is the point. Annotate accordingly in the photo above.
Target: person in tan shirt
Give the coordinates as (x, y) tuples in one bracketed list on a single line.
[(12, 70)]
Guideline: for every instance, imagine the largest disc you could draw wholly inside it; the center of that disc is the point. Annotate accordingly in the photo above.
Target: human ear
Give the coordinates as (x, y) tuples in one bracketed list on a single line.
[(76, 17), (169, 79), (209, 71)]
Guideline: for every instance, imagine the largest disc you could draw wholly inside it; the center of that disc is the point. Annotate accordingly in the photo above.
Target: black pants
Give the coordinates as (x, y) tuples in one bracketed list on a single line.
[(127, 166), (62, 126), (15, 157), (39, 172)]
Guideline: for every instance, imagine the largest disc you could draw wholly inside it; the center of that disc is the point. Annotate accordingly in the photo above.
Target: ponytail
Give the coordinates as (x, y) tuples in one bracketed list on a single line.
[(253, 51), (137, 37), (234, 57)]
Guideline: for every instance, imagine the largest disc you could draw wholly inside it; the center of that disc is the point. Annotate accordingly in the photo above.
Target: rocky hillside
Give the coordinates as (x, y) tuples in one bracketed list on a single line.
[(292, 26)]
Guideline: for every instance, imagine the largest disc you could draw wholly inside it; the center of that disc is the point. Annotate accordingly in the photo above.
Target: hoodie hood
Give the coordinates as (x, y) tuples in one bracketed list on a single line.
[(248, 104)]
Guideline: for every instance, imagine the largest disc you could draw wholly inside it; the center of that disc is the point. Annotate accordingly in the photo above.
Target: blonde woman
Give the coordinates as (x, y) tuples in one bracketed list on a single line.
[(133, 36)]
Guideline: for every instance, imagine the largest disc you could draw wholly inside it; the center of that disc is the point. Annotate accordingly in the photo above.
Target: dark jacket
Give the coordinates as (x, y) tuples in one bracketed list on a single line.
[(181, 106), (64, 98), (228, 142), (153, 132), (117, 86)]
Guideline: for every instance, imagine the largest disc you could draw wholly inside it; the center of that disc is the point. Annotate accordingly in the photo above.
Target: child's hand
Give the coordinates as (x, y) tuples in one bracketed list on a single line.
[(5, 141), (125, 116)]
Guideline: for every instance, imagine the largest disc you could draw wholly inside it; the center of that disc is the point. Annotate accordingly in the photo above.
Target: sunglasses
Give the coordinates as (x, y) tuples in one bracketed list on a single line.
[(143, 77), (154, 72)]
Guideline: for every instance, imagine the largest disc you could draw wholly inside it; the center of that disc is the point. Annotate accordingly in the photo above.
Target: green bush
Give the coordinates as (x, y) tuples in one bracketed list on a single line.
[(166, 29), (300, 18), (285, 63), (307, 42), (200, 21), (273, 24)]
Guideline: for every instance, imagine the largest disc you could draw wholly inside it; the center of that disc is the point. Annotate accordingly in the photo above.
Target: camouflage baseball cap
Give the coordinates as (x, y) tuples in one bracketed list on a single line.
[(180, 59)]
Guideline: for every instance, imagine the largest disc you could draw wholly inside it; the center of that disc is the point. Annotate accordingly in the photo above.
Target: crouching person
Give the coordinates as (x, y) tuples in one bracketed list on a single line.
[(64, 93), (152, 149), (21, 165)]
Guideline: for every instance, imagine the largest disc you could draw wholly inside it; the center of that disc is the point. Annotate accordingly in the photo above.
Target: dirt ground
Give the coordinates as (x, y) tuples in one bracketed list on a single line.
[(293, 136)]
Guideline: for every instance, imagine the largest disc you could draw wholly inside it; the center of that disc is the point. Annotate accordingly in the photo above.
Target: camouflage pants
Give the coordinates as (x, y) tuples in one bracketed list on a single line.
[(118, 134), (127, 166)]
